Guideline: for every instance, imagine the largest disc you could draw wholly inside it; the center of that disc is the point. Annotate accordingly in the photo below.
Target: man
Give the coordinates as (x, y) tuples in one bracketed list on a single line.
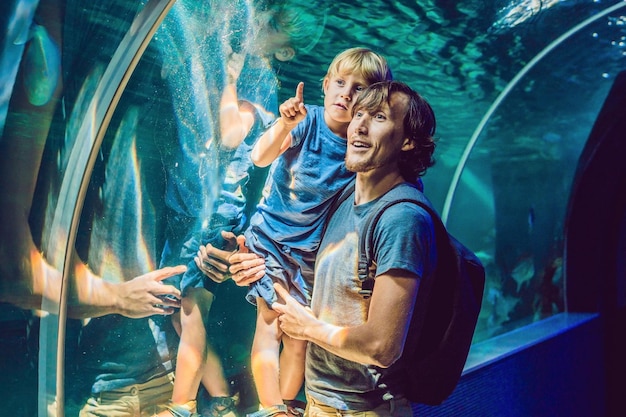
[(355, 343)]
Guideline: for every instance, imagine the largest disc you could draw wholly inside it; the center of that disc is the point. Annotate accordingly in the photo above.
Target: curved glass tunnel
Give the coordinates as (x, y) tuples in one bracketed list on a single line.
[(109, 116)]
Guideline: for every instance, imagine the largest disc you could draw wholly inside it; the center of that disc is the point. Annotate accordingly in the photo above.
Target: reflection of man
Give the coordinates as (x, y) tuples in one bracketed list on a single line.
[(27, 279), (119, 366), (352, 359), (32, 278)]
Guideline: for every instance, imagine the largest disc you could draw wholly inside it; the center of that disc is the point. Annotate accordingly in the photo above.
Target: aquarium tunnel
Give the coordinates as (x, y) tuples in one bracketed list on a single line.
[(112, 138)]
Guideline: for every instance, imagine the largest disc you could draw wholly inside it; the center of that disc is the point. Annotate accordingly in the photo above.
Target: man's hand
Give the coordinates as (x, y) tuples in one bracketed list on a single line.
[(292, 110), (213, 262), (246, 267), (146, 295), (293, 317)]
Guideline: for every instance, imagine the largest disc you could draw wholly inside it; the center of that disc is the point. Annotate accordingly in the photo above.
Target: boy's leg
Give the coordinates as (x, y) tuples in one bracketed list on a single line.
[(213, 376), (292, 360), (222, 404), (265, 354), (192, 348), (190, 360)]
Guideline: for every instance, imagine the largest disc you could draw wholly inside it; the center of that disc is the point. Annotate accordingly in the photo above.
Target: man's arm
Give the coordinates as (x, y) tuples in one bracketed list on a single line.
[(28, 281), (379, 341), (142, 296)]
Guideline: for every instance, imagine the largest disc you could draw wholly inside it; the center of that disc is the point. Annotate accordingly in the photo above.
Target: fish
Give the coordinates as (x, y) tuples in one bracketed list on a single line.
[(523, 272), (41, 66), (552, 137)]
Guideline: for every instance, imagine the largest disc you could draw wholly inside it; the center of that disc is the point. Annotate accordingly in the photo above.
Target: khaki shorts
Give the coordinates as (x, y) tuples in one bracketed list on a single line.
[(394, 408), (138, 400)]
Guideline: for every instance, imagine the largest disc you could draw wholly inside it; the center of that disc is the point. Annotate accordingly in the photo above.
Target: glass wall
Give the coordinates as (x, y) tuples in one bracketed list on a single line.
[(115, 161)]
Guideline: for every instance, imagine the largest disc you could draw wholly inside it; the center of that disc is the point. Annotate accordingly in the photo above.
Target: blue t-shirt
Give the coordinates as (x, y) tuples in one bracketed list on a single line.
[(206, 192), (258, 86), (302, 184), (116, 352), (403, 239), (196, 164)]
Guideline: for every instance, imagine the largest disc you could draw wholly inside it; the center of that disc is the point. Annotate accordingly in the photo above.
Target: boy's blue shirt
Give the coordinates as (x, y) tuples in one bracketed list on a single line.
[(302, 184)]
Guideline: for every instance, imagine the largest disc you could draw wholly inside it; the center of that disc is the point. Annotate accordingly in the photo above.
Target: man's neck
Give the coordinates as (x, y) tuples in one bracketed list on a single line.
[(370, 186)]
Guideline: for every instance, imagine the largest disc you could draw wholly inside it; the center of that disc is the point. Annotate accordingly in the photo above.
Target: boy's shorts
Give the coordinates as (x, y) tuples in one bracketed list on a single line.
[(292, 268), (182, 246)]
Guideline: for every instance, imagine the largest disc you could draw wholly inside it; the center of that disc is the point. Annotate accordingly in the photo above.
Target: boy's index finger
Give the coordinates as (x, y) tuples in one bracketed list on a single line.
[(300, 92)]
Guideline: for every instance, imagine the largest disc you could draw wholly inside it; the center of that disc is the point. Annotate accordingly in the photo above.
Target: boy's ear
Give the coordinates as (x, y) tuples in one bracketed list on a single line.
[(284, 54), (325, 82), (408, 144)]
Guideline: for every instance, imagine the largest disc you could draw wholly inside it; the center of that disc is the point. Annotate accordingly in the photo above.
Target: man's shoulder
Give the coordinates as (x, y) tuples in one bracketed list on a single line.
[(403, 218), (401, 215), (405, 195)]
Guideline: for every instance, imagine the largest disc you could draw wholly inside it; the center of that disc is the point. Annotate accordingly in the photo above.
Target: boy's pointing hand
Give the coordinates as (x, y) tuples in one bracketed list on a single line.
[(292, 110)]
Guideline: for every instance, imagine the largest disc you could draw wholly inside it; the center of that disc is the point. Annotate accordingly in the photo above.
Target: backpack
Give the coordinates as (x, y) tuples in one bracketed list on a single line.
[(445, 315)]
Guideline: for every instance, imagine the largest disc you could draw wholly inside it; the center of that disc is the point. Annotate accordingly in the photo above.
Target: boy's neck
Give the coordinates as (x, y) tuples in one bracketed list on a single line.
[(338, 128)]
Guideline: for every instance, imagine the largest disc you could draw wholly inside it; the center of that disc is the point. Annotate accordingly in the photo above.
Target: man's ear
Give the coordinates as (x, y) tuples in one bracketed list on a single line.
[(408, 144), (284, 54)]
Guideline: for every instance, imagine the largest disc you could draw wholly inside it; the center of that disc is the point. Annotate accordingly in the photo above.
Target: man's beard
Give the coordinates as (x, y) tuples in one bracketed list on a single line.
[(365, 164), (357, 166)]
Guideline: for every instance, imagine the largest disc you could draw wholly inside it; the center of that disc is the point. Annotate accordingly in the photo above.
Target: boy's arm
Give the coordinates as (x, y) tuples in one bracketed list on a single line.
[(236, 119), (277, 138), (379, 341)]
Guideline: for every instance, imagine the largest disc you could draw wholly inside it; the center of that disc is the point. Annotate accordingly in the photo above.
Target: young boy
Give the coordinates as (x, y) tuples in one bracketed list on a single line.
[(247, 102), (308, 144)]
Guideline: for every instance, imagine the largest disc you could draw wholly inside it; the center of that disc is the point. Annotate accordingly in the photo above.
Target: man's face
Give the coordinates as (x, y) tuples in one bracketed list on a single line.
[(376, 139)]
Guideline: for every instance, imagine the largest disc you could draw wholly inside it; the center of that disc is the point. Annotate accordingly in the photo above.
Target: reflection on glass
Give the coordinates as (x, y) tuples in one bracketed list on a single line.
[(29, 286), (173, 169), (35, 153), (173, 173)]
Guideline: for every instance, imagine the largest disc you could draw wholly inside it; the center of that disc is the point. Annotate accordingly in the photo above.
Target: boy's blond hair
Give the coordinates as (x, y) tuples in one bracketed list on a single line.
[(304, 27), (372, 66)]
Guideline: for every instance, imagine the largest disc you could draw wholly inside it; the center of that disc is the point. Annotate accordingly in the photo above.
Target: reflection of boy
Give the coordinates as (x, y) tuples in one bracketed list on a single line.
[(242, 119), (286, 229)]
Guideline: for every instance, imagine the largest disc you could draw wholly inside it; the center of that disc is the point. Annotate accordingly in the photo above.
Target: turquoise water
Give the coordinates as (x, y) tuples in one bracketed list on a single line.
[(509, 206)]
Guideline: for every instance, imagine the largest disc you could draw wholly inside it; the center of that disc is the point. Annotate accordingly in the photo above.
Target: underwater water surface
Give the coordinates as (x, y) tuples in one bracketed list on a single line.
[(160, 159)]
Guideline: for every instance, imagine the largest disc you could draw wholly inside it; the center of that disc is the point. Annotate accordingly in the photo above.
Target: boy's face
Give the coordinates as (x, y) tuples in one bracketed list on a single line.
[(270, 40), (376, 139), (340, 92)]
